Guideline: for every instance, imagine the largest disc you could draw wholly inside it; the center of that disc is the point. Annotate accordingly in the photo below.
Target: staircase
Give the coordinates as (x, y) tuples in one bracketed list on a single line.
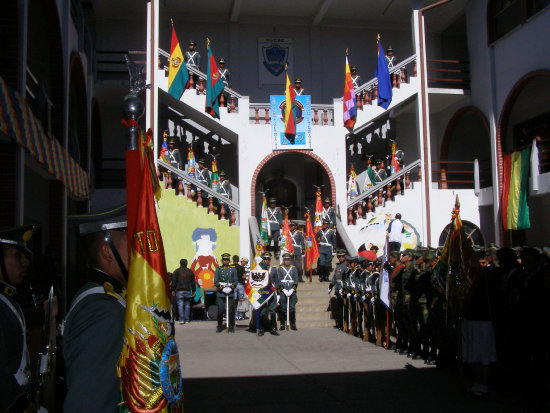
[(311, 310)]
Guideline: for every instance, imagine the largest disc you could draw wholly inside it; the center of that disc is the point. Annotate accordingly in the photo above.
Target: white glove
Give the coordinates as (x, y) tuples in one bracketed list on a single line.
[(340, 292), (278, 298), (290, 292), (328, 291), (364, 298), (372, 300), (227, 290), (349, 295), (22, 378)]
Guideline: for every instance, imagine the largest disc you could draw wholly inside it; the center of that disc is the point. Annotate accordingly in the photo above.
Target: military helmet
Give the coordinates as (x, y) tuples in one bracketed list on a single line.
[(266, 255), (395, 254), (298, 80), (408, 252), (226, 256), (201, 160), (287, 256)]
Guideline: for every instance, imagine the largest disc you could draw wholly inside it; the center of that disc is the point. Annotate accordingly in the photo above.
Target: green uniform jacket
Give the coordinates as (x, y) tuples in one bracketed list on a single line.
[(92, 342), (225, 275)]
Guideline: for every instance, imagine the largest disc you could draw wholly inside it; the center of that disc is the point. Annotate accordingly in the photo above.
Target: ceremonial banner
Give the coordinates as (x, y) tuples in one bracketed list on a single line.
[(273, 55), (264, 227), (178, 76), (214, 178), (352, 184), (515, 210), (318, 211), (290, 115), (394, 162), (302, 113), (148, 366), (350, 104), (214, 85), (385, 91), (312, 250), (164, 149), (258, 286)]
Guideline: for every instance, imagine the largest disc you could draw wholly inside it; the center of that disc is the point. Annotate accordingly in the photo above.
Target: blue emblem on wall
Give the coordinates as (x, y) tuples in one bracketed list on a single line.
[(275, 58)]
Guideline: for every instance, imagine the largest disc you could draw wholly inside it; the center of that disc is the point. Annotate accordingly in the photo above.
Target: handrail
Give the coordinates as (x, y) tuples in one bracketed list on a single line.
[(202, 186), (394, 69), (341, 231), (201, 75), (385, 182)]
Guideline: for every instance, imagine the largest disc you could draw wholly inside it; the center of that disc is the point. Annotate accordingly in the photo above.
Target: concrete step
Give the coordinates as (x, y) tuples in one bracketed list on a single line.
[(314, 323), (313, 300), (312, 315)]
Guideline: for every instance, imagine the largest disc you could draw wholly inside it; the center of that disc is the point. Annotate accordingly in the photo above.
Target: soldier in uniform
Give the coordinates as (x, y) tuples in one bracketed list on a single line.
[(336, 283), (391, 59), (367, 266), (275, 222), (380, 310), (395, 268), (424, 301), (173, 156), (225, 280), (299, 245), (298, 86), (193, 59), (202, 175), (225, 191), (268, 312), (15, 369), (355, 79), (329, 212), (380, 171), (224, 76), (348, 287), (326, 239), (287, 285), (359, 281), (409, 298), (94, 326)]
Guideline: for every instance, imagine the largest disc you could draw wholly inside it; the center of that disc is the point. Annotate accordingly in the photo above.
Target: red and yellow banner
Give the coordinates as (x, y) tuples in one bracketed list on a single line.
[(312, 250)]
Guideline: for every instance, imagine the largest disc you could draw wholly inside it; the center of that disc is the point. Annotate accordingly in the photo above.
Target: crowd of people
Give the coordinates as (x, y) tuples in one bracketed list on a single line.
[(498, 327)]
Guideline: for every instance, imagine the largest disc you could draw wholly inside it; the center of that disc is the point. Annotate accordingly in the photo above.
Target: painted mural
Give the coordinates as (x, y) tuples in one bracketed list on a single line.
[(190, 232)]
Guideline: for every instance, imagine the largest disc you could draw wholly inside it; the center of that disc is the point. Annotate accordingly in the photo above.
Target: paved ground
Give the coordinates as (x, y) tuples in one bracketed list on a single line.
[(311, 370)]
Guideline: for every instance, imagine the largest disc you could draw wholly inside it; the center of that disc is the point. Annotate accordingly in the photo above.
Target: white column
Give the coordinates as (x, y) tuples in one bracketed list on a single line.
[(423, 125), (151, 99), (494, 155)]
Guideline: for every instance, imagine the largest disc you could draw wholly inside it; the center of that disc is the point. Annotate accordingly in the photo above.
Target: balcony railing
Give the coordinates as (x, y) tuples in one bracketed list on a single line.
[(448, 73)]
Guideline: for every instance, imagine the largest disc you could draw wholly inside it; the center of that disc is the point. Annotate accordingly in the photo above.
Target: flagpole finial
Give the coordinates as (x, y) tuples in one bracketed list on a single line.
[(208, 43), (172, 22), (378, 38), (347, 51)]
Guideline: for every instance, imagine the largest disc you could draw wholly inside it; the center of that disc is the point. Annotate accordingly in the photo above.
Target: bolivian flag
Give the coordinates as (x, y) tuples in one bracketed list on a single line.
[(290, 119), (178, 76), (148, 366), (515, 211)]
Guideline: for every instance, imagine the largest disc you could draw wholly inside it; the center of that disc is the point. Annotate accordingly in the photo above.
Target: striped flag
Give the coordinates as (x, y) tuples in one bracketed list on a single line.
[(178, 76), (214, 85), (515, 210), (148, 366), (350, 104), (290, 119)]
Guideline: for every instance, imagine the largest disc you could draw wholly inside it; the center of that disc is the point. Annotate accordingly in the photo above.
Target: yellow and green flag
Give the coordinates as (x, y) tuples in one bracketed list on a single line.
[(178, 76), (515, 210)]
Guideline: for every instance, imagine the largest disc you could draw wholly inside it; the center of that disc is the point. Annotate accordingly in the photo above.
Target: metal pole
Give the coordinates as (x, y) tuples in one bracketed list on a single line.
[(227, 312), (287, 312)]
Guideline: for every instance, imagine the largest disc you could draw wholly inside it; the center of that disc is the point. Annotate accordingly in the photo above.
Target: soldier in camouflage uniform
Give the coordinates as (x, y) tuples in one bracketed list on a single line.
[(225, 280), (336, 283), (288, 284)]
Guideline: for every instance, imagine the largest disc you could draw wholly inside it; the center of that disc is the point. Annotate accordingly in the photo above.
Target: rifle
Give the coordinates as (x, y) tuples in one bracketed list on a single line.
[(43, 367)]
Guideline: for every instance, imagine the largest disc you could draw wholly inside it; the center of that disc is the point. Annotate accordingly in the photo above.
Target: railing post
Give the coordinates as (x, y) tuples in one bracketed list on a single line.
[(380, 198), (325, 117), (233, 217), (388, 193), (222, 211), (368, 99), (199, 197), (315, 116), (169, 181), (267, 116), (201, 87), (403, 75), (375, 92), (257, 115), (350, 217), (398, 186), (419, 174), (444, 179), (191, 81), (360, 101), (232, 105), (189, 194), (222, 100), (211, 205), (180, 187), (393, 81), (360, 210), (414, 68), (369, 203), (407, 180)]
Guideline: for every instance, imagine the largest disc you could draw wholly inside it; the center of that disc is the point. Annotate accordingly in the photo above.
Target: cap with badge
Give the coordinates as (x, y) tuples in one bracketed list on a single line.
[(221, 61), (192, 43), (266, 255), (341, 253), (226, 256), (287, 256), (171, 139), (395, 254), (18, 237), (298, 80), (222, 173)]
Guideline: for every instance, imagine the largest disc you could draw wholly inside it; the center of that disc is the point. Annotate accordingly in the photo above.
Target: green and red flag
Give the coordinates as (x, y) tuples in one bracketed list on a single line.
[(178, 76), (214, 85), (215, 178), (318, 210), (264, 226), (515, 190)]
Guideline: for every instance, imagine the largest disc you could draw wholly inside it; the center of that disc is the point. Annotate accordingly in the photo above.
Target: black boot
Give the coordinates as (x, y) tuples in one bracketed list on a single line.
[(273, 330), (282, 328), (219, 328), (293, 321), (260, 332)]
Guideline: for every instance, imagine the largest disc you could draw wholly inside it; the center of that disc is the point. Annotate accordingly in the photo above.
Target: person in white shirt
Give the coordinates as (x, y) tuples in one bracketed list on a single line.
[(395, 234)]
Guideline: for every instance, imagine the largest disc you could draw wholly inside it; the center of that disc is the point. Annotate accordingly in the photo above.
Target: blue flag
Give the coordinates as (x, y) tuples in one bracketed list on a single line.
[(384, 81)]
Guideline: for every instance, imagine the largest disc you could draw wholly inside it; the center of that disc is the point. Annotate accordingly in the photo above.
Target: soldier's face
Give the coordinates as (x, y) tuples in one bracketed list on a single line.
[(225, 261), (341, 259), (286, 262), (17, 265)]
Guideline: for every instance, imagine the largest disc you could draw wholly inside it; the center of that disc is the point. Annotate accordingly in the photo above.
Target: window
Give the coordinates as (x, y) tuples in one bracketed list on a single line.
[(505, 15)]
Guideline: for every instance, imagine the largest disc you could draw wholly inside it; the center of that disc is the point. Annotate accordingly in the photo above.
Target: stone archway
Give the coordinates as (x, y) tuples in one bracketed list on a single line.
[(253, 194)]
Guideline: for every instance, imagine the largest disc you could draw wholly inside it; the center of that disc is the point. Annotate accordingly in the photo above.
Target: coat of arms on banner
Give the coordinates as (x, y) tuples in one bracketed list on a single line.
[(275, 58)]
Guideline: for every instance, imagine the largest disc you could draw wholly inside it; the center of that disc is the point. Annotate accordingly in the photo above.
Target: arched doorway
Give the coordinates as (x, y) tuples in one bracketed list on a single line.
[(290, 176), (467, 129), (525, 116)]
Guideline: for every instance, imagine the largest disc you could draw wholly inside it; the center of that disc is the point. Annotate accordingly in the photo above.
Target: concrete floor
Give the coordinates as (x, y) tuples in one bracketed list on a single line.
[(311, 370)]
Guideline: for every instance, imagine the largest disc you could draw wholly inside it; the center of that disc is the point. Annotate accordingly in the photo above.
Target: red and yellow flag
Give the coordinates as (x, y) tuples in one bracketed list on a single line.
[(149, 363), (318, 210), (286, 239), (312, 250), (290, 120)]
